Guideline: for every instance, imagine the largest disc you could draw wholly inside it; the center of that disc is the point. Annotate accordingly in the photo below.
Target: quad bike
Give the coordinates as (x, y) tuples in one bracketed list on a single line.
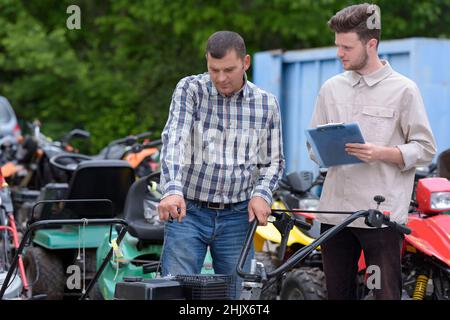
[(8, 149), (306, 281), (60, 166), (35, 152), (206, 287), (30, 170), (9, 243), (426, 252), (426, 255), (142, 156)]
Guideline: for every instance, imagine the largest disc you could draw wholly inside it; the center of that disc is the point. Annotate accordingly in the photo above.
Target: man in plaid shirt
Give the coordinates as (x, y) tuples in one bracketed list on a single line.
[(221, 159)]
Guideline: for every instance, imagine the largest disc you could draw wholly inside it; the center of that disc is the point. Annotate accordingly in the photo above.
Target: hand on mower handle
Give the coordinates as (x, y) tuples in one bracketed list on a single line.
[(376, 219)]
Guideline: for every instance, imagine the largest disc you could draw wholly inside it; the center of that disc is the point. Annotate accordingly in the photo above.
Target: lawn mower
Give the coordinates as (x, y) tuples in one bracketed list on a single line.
[(207, 287)]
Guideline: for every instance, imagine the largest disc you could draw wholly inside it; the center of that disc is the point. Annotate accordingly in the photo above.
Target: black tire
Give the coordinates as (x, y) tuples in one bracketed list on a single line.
[(269, 292), (45, 273), (304, 284)]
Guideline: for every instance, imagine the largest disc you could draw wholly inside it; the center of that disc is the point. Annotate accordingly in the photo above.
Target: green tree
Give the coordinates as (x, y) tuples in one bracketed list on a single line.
[(116, 75)]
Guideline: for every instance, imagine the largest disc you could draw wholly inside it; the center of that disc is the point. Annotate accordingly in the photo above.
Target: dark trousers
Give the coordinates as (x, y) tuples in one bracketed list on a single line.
[(340, 254)]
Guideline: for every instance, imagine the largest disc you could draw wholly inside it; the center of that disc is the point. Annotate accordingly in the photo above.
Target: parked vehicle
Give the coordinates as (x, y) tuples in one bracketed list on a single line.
[(97, 188), (272, 248), (255, 280), (9, 243), (140, 152), (138, 255), (9, 126), (56, 249), (426, 255), (426, 251)]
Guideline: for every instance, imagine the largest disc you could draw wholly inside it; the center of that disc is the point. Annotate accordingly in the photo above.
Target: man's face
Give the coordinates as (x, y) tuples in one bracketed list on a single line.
[(351, 51), (227, 73)]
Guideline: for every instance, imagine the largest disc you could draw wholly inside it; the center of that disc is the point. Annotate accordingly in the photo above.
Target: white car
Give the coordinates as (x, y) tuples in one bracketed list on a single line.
[(8, 120)]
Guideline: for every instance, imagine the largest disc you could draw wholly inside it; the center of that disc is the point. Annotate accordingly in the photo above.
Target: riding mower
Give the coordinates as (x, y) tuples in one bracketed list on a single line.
[(138, 255), (272, 248), (54, 249)]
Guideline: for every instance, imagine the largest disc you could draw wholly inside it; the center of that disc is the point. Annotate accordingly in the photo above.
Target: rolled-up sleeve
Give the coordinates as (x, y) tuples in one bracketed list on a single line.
[(174, 135), (419, 147)]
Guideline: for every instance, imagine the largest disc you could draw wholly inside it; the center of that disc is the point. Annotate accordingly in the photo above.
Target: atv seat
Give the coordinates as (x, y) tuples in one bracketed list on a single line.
[(134, 213), (99, 179), (298, 182)]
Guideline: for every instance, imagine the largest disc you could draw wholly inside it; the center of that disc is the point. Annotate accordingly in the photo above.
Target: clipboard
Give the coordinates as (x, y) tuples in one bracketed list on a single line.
[(328, 143)]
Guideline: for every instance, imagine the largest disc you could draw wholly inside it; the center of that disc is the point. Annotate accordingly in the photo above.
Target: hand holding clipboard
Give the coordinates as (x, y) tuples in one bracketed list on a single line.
[(328, 143)]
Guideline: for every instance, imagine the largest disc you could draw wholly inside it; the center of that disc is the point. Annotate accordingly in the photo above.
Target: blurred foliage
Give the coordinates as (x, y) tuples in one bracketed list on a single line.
[(116, 75)]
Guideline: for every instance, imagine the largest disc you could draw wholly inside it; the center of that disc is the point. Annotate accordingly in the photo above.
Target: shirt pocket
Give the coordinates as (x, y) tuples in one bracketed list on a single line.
[(377, 124)]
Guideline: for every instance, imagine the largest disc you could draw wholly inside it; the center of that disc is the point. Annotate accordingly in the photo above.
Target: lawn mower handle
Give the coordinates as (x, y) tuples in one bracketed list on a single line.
[(372, 217), (399, 227)]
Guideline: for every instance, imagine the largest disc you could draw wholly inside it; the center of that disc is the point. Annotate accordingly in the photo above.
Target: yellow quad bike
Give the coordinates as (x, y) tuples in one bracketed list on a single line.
[(307, 281)]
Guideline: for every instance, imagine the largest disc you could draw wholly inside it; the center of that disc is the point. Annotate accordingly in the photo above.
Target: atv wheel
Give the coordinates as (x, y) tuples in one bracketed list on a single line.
[(268, 292), (45, 273), (304, 284)]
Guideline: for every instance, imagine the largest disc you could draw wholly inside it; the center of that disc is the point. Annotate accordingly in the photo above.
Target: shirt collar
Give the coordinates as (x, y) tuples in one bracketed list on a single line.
[(372, 78), (244, 90)]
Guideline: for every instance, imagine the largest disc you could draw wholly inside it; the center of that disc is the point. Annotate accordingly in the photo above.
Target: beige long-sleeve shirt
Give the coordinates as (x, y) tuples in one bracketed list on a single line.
[(390, 112)]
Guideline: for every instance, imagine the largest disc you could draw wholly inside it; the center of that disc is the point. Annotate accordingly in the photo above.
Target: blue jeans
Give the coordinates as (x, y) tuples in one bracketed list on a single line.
[(223, 231)]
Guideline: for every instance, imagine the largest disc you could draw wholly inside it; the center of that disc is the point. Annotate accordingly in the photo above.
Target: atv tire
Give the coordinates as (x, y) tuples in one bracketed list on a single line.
[(304, 284), (45, 273), (268, 292)]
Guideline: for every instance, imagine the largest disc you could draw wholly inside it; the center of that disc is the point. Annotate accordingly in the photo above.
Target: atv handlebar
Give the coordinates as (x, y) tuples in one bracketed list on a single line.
[(132, 139)]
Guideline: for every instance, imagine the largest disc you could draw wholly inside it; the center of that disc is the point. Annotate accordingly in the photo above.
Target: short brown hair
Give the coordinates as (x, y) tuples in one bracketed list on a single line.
[(355, 19), (220, 42)]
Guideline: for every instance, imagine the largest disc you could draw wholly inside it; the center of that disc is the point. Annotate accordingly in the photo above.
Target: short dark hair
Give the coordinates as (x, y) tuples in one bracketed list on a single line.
[(220, 42), (355, 19)]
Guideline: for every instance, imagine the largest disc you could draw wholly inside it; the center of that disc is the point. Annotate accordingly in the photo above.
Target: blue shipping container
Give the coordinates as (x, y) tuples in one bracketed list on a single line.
[(295, 77)]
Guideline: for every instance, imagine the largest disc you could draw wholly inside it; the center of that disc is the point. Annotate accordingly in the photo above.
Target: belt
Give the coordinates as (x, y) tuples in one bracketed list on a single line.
[(214, 205)]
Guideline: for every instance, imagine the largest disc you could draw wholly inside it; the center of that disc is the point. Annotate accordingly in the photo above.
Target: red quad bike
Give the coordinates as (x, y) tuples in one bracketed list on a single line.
[(426, 250)]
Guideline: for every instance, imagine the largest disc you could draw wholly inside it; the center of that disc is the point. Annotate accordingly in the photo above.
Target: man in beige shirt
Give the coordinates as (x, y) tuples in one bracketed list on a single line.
[(389, 110)]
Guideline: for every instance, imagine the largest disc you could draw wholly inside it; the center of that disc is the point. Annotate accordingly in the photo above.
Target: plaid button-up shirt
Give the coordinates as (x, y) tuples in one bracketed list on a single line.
[(221, 149)]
